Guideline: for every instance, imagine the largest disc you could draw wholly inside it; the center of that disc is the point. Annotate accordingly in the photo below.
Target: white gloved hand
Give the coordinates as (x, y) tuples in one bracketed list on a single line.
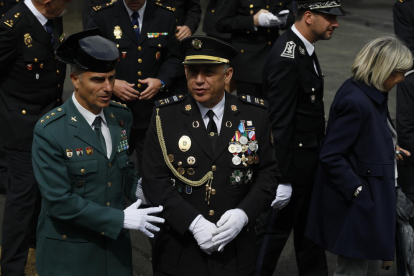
[(203, 234), (271, 20), (283, 194), (138, 219), (139, 193), (229, 226)]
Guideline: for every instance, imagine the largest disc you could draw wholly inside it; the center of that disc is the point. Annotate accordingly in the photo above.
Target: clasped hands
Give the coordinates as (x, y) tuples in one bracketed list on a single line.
[(214, 237)]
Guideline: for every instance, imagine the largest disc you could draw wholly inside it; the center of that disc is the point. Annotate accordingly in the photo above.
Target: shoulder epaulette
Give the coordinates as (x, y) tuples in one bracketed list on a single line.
[(170, 100), (254, 101), (118, 104), (104, 6), (53, 115), (165, 7), (12, 19)]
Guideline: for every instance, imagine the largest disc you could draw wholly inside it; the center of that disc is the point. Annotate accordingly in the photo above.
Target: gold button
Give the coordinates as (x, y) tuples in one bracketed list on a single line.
[(108, 204), (58, 100), (251, 12), (41, 65), (64, 237), (248, 230), (139, 85), (103, 233), (24, 111), (267, 7), (214, 168), (159, 45), (58, 85), (270, 43), (211, 212), (180, 163), (110, 165), (57, 71), (109, 184), (35, 60), (300, 145), (117, 45), (82, 170), (213, 191), (139, 48), (242, 51), (42, 121), (139, 60), (280, 4), (269, 31), (212, 11), (139, 73), (59, 109), (53, 114), (251, 6), (248, 32), (313, 89), (47, 117)]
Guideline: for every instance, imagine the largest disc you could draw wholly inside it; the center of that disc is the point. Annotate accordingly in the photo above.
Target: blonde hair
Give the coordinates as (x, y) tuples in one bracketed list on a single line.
[(379, 59)]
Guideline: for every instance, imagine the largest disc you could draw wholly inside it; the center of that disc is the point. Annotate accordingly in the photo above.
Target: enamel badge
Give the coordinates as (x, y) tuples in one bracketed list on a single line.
[(69, 153), (184, 144), (289, 51), (117, 32), (89, 150), (79, 152), (28, 40)]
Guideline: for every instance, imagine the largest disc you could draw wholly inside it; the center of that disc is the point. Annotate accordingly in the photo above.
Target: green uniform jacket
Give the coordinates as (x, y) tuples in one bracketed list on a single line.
[(80, 226)]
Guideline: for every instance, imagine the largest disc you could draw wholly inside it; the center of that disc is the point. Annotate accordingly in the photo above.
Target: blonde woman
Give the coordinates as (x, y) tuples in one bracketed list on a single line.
[(352, 212)]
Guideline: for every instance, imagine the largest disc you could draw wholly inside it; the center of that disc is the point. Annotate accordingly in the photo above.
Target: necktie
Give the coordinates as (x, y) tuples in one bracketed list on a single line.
[(212, 129), (98, 132), (49, 30), (135, 23)]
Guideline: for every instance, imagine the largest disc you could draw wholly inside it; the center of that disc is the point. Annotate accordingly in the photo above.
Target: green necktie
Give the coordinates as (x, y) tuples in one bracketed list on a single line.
[(98, 132)]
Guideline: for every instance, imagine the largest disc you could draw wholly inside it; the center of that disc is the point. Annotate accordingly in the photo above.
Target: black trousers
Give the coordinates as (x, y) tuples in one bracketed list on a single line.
[(273, 230), (249, 88), (21, 212)]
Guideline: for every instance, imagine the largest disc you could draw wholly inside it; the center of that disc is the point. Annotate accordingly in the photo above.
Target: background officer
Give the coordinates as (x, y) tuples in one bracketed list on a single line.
[(145, 35), (81, 164), (31, 83), (293, 84), (254, 27), (219, 190)]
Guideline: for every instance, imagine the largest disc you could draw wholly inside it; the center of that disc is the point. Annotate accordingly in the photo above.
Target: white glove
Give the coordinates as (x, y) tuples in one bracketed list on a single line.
[(203, 234), (138, 219), (283, 194), (139, 193), (229, 226), (268, 19)]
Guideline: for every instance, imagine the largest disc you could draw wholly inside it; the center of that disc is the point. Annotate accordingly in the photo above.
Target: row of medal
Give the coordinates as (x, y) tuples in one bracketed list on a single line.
[(123, 144), (244, 145)]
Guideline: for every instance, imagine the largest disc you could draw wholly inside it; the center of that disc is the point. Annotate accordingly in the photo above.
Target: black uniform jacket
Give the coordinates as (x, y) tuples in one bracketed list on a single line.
[(6, 5), (404, 21), (295, 95), (175, 250), (155, 55), (187, 12), (210, 20), (31, 78), (236, 17)]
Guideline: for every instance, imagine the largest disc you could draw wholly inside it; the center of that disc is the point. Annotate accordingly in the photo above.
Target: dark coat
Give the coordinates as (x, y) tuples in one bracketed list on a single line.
[(6, 5), (295, 95), (31, 78), (210, 21), (357, 151), (80, 229), (236, 17), (175, 250), (150, 57), (404, 21)]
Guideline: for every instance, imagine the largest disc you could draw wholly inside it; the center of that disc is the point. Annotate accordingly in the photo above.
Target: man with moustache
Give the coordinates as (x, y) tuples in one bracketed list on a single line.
[(149, 60), (293, 85), (31, 83), (210, 162), (81, 163)]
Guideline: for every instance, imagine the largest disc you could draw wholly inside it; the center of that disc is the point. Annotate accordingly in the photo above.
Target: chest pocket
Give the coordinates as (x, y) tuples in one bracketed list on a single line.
[(83, 177)]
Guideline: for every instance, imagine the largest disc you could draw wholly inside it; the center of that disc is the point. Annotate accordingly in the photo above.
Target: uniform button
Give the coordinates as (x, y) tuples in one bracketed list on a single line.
[(368, 172), (139, 85), (139, 60), (42, 121), (24, 111), (41, 65), (313, 89), (267, 7), (270, 43), (58, 85), (117, 45), (211, 212), (214, 168), (139, 73), (159, 45), (110, 165), (269, 31), (300, 145), (58, 100), (52, 114), (108, 204), (247, 230), (248, 32), (251, 6), (47, 117), (212, 11), (35, 60), (180, 163), (139, 48), (251, 12), (64, 237), (57, 71), (59, 109), (213, 191), (82, 170), (242, 51), (103, 233), (109, 184)]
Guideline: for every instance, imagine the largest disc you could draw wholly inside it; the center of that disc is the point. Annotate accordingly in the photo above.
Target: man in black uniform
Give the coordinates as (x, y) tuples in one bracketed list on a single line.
[(145, 35), (31, 84), (209, 159), (293, 84), (254, 27), (210, 21), (6, 5)]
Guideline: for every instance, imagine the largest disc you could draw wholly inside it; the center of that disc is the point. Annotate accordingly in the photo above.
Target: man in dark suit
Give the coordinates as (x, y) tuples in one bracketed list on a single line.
[(81, 163), (293, 84), (254, 28), (6, 5), (31, 83), (149, 60), (209, 158)]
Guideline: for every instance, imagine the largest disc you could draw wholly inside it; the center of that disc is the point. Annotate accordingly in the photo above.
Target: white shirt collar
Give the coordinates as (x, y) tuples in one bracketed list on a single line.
[(89, 116), (310, 48), (140, 11), (218, 109), (42, 19)]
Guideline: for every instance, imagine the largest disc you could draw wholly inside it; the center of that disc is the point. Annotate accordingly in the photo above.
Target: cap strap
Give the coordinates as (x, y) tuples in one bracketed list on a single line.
[(207, 58)]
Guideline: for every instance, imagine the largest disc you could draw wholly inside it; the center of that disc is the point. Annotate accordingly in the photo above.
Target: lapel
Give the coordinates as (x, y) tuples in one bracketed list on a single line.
[(114, 128), (198, 133), (35, 29), (149, 22), (83, 129), (123, 20), (371, 92), (227, 133)]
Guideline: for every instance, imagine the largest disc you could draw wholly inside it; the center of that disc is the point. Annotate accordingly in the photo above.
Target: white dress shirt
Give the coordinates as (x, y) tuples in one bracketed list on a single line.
[(90, 118), (310, 48), (42, 19), (218, 110), (140, 13)]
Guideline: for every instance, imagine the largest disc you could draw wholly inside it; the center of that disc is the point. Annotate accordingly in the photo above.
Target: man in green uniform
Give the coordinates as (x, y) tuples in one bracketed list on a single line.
[(81, 164)]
